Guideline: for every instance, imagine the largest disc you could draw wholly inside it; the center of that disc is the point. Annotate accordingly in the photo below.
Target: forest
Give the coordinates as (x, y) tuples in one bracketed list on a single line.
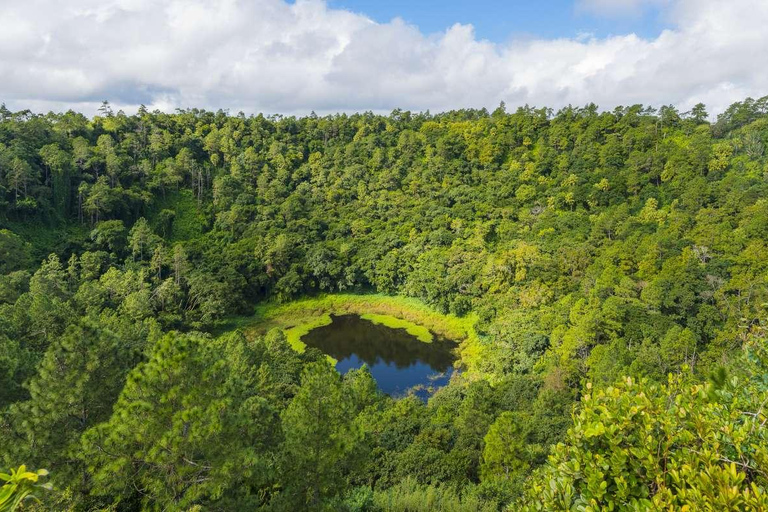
[(612, 267)]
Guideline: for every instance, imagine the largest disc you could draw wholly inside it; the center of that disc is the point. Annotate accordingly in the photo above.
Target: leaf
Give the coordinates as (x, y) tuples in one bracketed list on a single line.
[(5, 493)]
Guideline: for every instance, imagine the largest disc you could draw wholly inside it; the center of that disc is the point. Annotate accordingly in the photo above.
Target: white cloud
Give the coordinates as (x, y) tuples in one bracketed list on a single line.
[(271, 56)]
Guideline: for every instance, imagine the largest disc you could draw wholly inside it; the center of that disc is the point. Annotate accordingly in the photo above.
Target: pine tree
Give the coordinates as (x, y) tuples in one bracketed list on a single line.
[(77, 382), (504, 454), (141, 239), (319, 435), (189, 425)]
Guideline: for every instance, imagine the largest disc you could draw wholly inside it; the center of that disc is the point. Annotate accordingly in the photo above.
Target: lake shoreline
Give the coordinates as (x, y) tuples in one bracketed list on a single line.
[(398, 361), (298, 317)]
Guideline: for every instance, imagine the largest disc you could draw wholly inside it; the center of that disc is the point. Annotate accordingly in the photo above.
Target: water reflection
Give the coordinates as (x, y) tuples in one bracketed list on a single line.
[(397, 360)]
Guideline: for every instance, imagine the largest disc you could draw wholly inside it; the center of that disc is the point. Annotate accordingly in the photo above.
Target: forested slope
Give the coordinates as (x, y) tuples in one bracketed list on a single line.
[(591, 246)]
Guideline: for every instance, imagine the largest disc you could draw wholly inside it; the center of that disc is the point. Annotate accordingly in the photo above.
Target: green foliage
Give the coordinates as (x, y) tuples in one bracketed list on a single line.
[(409, 496), (559, 248), (77, 381), (299, 317), (110, 235), (141, 240), (19, 487), (640, 445), (14, 252), (178, 217), (190, 426), (504, 455), (319, 435)]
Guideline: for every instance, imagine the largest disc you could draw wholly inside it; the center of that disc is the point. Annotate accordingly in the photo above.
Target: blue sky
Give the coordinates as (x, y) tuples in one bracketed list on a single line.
[(502, 20)]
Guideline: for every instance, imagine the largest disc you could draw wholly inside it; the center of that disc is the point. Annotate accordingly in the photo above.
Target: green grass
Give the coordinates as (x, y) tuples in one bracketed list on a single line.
[(419, 332), (403, 308), (294, 334), (299, 317)]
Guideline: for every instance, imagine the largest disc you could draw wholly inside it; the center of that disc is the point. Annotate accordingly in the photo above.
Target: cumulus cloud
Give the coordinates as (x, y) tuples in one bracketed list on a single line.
[(275, 57)]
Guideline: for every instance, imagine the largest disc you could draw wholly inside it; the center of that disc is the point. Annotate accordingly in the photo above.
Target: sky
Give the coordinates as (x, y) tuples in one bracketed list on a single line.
[(327, 56), (503, 21)]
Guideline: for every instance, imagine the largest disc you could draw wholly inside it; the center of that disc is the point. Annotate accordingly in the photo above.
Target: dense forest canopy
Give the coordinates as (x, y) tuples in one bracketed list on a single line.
[(614, 263)]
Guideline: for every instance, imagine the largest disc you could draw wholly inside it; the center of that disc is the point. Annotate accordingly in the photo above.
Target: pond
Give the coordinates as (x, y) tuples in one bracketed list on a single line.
[(398, 361)]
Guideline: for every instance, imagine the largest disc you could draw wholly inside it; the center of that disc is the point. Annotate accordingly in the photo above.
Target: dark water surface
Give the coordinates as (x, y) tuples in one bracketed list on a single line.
[(397, 360)]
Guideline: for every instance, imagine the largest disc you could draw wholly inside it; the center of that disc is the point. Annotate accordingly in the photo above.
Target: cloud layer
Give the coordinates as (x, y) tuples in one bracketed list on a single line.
[(274, 57)]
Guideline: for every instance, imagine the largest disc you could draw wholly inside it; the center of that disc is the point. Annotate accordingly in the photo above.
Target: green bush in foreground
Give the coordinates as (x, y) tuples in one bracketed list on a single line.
[(19, 486), (681, 446)]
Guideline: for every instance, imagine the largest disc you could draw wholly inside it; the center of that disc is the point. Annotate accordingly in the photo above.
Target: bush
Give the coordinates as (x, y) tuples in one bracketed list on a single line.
[(641, 446)]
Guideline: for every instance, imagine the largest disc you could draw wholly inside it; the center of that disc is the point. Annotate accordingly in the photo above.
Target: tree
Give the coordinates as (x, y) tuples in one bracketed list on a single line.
[(110, 234), (17, 363), (82, 154), (108, 158), (158, 261), (180, 264), (98, 200), (165, 220), (189, 428), (681, 446), (506, 448), (105, 109), (19, 177), (57, 164), (77, 382), (319, 435), (14, 252), (699, 113), (141, 239)]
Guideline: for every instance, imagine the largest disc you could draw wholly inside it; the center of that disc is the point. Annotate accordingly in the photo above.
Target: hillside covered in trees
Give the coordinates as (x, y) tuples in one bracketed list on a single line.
[(613, 265)]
